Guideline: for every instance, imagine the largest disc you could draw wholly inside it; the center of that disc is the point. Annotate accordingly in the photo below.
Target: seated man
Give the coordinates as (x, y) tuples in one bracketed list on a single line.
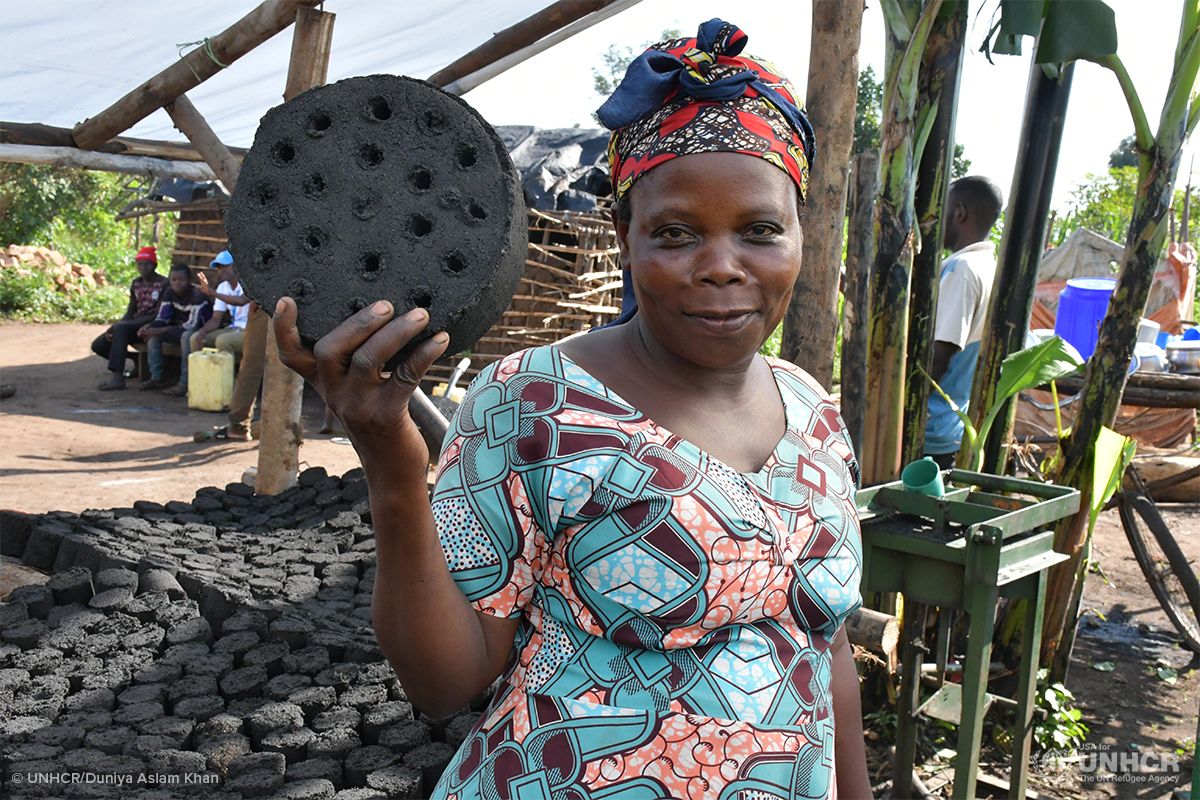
[(227, 297), (144, 292), (183, 307)]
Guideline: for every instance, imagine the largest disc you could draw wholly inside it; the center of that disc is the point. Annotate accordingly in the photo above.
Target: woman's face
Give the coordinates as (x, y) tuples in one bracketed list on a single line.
[(714, 247)]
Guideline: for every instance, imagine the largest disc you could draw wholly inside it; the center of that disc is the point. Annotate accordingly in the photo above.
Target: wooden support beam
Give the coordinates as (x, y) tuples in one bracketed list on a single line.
[(87, 159), (513, 38), (199, 65), (811, 323), (50, 136), (283, 389), (191, 123)]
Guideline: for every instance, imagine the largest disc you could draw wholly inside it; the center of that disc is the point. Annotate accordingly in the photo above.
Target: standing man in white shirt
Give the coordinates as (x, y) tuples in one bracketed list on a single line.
[(973, 205)]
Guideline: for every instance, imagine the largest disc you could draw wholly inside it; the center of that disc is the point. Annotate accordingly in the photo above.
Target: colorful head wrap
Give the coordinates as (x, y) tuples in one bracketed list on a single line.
[(700, 96)]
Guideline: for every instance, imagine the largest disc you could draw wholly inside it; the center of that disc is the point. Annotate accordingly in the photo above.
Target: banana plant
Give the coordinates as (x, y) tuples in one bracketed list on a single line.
[(1025, 369)]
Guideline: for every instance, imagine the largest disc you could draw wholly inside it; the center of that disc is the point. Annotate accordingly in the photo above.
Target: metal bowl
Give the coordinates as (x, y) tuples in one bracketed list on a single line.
[(1184, 357)]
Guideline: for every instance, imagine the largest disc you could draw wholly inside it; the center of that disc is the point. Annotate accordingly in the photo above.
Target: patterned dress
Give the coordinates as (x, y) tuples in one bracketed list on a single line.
[(676, 615)]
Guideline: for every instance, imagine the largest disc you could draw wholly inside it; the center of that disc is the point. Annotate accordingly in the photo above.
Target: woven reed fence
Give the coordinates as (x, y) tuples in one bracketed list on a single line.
[(572, 283)]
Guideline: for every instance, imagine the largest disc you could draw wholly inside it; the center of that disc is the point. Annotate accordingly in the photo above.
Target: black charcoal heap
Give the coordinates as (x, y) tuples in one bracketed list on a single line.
[(380, 187), (226, 642)]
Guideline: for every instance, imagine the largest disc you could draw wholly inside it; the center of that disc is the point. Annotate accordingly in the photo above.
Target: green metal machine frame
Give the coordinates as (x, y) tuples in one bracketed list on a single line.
[(986, 540)]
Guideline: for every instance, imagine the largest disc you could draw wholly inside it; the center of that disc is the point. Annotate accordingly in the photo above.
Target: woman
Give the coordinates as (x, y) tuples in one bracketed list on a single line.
[(648, 530)]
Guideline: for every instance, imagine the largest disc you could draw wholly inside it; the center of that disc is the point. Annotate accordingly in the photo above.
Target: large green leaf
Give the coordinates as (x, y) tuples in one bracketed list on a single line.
[(1066, 29), (1023, 370), (1035, 366), (1110, 457), (1076, 29), (1021, 17)]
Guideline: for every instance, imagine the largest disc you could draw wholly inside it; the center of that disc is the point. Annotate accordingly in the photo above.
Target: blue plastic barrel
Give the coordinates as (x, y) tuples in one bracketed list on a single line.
[(1081, 308)]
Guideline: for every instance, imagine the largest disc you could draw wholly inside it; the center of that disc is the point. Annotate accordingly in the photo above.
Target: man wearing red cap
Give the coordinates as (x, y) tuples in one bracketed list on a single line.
[(113, 344)]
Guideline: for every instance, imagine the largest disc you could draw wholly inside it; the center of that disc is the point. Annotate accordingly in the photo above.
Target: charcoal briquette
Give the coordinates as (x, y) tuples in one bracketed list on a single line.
[(26, 634), (293, 744), (66, 737), (283, 686), (112, 600), (71, 586), (313, 700), (316, 769), (199, 708), (191, 686), (41, 549), (336, 743), (406, 736), (171, 761), (143, 693), (16, 527), (398, 781), (158, 672), (365, 760), (268, 655), (177, 729), (458, 248), (383, 716), (260, 783), (110, 741), (37, 597), (310, 789), (221, 750), (161, 580)]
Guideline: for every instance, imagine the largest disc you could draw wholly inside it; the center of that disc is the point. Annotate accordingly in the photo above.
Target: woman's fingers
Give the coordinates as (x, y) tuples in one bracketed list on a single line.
[(292, 351), (370, 358), (410, 371)]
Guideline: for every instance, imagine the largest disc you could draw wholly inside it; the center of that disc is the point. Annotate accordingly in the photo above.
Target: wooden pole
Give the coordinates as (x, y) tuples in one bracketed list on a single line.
[(516, 37), (811, 323), (107, 162), (49, 136), (191, 123), (941, 68), (191, 70), (283, 389)]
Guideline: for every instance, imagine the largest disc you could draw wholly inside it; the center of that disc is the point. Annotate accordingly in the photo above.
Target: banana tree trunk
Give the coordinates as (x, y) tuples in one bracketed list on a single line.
[(1020, 249), (1158, 163), (907, 25), (941, 68), (854, 328), (1103, 386), (810, 326)]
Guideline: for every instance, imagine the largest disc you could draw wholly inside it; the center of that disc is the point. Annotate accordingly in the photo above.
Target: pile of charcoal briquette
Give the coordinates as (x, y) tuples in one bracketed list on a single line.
[(216, 649)]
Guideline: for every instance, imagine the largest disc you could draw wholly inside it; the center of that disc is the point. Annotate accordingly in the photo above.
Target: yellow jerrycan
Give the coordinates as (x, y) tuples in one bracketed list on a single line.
[(210, 379)]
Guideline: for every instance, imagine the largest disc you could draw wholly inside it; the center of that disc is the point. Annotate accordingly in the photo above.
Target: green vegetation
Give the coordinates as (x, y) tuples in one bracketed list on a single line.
[(867, 110), (73, 211), (1063, 728)]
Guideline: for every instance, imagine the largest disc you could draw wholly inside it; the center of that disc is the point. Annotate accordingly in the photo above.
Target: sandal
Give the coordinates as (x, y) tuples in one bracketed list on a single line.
[(223, 432), (111, 385), (178, 390), (153, 383)]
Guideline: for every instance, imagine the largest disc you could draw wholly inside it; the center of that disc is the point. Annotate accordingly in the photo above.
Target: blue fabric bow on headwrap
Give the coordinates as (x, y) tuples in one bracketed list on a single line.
[(656, 77)]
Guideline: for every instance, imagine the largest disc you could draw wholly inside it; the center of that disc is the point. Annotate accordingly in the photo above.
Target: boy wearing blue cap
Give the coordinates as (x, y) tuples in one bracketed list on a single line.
[(228, 297)]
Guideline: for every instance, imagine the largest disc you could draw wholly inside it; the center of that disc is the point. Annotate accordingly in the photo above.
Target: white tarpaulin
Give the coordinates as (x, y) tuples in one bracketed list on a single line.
[(64, 60)]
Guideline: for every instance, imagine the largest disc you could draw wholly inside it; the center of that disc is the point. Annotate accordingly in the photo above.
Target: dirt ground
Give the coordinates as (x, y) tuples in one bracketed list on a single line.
[(66, 445)]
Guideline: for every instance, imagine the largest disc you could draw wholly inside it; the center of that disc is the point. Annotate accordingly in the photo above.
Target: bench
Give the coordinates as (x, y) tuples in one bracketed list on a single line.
[(170, 349)]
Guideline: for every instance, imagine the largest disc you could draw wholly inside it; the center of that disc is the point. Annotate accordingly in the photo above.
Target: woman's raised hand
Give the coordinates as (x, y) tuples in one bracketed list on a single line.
[(346, 367)]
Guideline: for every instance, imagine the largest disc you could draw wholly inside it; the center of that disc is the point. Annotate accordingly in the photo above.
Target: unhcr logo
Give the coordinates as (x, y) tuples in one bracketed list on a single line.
[(1102, 764)]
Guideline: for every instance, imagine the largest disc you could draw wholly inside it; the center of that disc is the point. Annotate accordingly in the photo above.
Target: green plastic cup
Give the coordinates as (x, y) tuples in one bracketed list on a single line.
[(924, 477)]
